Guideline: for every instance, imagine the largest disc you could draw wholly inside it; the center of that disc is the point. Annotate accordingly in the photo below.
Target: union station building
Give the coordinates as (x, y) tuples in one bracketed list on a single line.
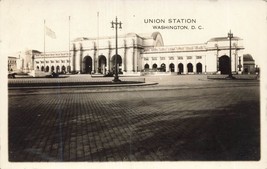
[(138, 53)]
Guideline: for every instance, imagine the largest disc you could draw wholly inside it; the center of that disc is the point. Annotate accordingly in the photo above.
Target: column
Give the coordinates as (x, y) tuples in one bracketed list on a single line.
[(73, 58), (195, 64), (167, 65), (79, 60), (124, 57), (185, 66), (133, 55)]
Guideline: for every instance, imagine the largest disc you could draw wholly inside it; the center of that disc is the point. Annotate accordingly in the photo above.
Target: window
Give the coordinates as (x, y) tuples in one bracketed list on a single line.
[(189, 57), (199, 57), (154, 58), (180, 58), (146, 58), (171, 58), (162, 58)]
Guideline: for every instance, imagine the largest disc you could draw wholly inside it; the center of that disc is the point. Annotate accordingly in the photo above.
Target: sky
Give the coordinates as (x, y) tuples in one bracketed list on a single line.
[(22, 22)]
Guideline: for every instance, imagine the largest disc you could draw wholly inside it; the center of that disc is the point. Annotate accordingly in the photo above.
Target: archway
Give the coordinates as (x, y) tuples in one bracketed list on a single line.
[(87, 65), (47, 69), (155, 66), (189, 67), (69, 68), (102, 63), (52, 68), (37, 67), (163, 67), (171, 67), (181, 68), (146, 67), (224, 64), (63, 69), (199, 68), (57, 69), (119, 63)]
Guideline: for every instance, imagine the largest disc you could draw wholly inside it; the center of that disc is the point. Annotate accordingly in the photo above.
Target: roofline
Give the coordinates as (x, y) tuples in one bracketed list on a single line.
[(224, 39)]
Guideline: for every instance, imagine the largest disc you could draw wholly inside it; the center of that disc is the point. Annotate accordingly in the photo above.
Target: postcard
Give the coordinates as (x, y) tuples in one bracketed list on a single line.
[(133, 84)]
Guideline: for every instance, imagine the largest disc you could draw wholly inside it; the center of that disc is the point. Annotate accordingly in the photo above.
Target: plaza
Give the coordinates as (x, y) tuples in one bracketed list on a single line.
[(183, 118)]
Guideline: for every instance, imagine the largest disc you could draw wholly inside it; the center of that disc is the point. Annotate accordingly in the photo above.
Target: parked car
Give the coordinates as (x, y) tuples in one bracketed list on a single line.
[(11, 75)]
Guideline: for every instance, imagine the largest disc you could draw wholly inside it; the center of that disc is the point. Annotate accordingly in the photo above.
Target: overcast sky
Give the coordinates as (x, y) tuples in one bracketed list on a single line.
[(22, 21)]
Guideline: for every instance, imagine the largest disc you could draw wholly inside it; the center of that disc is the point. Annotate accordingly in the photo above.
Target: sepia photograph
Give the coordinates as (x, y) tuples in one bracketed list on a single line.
[(133, 84)]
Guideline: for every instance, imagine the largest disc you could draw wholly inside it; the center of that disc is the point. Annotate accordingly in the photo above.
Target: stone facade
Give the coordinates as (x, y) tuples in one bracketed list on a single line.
[(210, 57), (140, 53)]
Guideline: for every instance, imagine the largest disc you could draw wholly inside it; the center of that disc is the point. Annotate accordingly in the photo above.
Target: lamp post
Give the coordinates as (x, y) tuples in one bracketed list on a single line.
[(230, 36), (116, 23), (217, 57)]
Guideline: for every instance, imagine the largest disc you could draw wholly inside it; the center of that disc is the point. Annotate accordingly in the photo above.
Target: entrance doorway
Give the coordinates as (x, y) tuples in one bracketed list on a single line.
[(163, 67), (180, 68), (154, 66), (146, 67), (224, 64), (87, 65), (119, 63), (199, 68), (52, 68), (47, 69), (189, 68), (63, 69), (171, 67), (102, 63)]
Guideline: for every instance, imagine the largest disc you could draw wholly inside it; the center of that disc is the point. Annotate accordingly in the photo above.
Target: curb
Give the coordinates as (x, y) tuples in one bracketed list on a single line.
[(79, 85)]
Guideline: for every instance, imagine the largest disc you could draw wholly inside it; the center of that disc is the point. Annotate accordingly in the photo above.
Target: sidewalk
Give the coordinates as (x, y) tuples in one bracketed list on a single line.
[(77, 80)]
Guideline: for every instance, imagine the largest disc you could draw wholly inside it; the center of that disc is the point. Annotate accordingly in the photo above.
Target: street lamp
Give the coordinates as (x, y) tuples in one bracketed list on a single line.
[(116, 23), (230, 36), (217, 57)]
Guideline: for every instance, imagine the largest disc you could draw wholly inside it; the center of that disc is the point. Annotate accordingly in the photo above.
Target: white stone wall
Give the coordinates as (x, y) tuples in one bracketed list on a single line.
[(136, 51)]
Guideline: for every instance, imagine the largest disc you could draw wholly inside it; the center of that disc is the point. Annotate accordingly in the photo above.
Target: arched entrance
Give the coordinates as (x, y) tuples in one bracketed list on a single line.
[(52, 68), (155, 66), (146, 67), (163, 67), (47, 69), (119, 63), (189, 68), (171, 67), (57, 69), (69, 68), (180, 68), (199, 68), (63, 69), (37, 67), (87, 65), (224, 64), (102, 63)]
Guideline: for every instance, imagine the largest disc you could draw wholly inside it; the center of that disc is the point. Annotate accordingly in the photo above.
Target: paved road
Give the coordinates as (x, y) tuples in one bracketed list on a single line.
[(176, 120)]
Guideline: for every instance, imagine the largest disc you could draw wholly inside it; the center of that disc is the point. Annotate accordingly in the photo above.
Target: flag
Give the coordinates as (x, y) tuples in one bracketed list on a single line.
[(50, 33)]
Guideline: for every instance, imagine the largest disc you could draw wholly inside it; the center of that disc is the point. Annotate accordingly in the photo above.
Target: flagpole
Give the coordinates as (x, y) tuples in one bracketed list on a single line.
[(69, 44), (97, 41), (44, 45)]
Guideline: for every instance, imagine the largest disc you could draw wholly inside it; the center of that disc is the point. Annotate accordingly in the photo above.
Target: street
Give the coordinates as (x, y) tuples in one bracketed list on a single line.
[(177, 120)]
